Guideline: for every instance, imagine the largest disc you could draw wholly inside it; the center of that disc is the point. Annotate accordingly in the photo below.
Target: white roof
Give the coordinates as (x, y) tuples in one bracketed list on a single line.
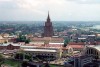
[(15, 44), (36, 42), (6, 44), (88, 35), (57, 43), (91, 35), (81, 38), (28, 46), (40, 50), (1, 37), (55, 36), (96, 47)]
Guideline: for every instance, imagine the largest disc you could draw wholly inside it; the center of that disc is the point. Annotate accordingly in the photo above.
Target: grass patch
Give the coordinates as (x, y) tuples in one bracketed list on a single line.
[(12, 63), (51, 65), (55, 65)]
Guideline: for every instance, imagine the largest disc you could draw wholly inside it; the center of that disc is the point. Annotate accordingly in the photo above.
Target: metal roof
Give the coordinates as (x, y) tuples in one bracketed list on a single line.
[(40, 50)]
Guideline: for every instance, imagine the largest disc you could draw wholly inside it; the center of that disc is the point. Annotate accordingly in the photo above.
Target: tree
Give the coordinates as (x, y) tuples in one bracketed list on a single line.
[(66, 41), (5, 42), (1, 58), (19, 56), (27, 41), (24, 64), (64, 45), (47, 65), (23, 38), (28, 57)]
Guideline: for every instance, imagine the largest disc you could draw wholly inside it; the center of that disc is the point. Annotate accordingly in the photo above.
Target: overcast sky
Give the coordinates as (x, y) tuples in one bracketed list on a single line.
[(60, 10)]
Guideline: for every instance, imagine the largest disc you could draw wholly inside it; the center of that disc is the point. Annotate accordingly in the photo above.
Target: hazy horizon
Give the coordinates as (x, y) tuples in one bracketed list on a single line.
[(59, 22)]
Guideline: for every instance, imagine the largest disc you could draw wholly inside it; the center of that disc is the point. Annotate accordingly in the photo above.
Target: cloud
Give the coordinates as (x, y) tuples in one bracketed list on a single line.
[(86, 1), (59, 10), (4, 0), (8, 5)]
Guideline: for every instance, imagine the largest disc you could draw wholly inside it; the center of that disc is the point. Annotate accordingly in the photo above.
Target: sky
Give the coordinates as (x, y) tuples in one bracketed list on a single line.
[(60, 10)]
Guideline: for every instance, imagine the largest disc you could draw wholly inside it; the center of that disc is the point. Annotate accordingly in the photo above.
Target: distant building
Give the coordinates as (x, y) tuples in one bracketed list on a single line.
[(48, 28)]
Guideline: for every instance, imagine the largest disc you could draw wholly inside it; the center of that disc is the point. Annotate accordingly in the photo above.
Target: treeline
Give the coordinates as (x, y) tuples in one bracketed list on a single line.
[(23, 28), (27, 28)]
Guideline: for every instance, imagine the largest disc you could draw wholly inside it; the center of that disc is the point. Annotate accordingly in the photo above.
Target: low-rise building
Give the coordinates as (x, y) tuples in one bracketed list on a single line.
[(52, 50), (49, 39), (43, 53), (72, 49), (3, 40), (9, 46), (92, 50)]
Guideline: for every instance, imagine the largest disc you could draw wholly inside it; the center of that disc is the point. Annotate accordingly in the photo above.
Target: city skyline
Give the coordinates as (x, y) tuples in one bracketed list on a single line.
[(60, 10)]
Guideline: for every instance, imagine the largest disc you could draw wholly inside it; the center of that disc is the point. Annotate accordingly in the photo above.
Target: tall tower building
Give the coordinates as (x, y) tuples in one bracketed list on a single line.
[(48, 28)]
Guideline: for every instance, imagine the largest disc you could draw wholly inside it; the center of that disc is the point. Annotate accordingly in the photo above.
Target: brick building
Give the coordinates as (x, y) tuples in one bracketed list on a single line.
[(48, 28), (9, 46)]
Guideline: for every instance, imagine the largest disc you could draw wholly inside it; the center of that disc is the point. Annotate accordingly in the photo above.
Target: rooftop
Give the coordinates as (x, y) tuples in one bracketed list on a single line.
[(76, 43), (96, 47), (6, 44), (40, 50)]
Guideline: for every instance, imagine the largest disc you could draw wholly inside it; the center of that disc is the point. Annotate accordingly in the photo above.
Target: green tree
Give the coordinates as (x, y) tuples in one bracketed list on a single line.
[(1, 59), (66, 41), (28, 57), (27, 41), (23, 38)]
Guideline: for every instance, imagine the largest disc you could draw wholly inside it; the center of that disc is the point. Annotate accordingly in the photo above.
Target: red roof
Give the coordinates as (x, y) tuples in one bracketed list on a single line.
[(98, 43), (45, 45), (76, 46), (76, 43), (47, 38), (64, 48)]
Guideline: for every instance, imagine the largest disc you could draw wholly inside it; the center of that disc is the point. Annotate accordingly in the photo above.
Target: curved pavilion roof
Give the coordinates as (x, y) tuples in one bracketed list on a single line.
[(97, 47)]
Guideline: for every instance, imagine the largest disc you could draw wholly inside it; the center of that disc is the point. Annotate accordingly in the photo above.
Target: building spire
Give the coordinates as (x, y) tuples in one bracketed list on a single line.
[(48, 18), (48, 28)]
